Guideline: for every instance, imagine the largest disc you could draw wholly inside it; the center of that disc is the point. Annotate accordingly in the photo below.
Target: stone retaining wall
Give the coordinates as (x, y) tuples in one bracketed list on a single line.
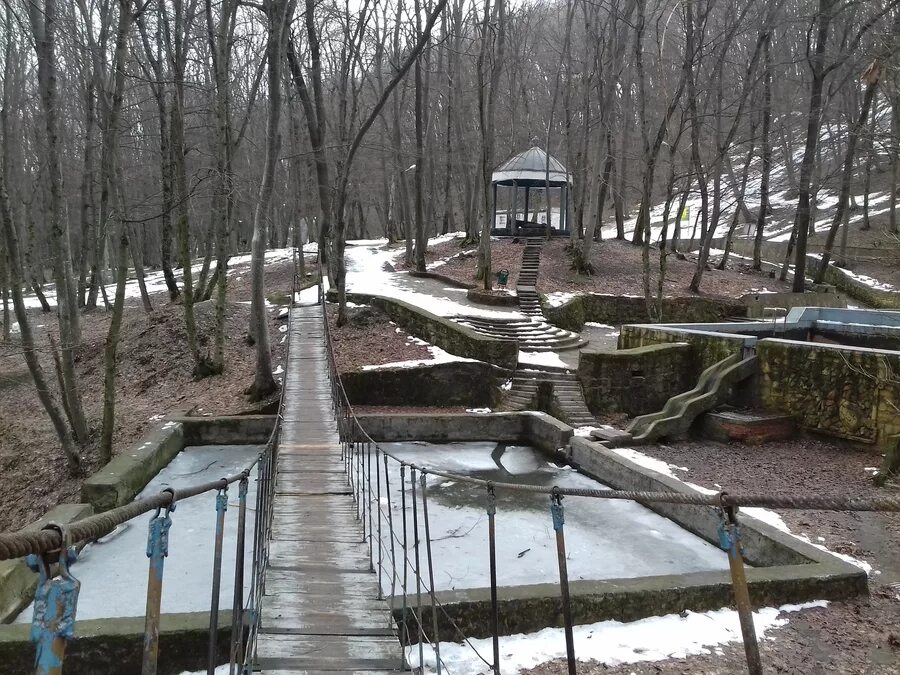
[(635, 381), (115, 646), (444, 333), (843, 391), (873, 297), (468, 383), (619, 309), (536, 429), (707, 348)]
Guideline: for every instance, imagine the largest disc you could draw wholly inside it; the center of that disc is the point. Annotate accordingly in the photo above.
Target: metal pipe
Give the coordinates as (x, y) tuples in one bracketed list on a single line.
[(378, 503), (558, 514), (730, 541), (369, 502), (492, 546), (211, 654), (237, 609), (435, 637), (387, 489), (157, 550), (405, 629), (415, 514)]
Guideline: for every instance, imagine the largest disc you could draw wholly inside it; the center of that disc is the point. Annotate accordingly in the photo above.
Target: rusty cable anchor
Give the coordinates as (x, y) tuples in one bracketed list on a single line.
[(55, 602), (157, 551)]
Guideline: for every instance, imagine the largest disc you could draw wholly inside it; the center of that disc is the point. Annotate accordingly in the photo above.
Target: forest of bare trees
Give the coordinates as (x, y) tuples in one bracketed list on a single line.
[(173, 134)]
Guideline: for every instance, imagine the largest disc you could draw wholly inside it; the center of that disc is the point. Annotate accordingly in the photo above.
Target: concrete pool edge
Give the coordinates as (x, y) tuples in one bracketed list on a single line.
[(115, 645), (786, 569)]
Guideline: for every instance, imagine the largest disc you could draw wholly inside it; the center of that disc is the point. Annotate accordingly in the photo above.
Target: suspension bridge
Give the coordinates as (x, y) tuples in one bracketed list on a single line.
[(336, 583)]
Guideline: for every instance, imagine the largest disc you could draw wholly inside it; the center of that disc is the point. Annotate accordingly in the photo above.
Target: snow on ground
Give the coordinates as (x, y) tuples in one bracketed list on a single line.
[(559, 298), (869, 281), (551, 359), (611, 642), (369, 271), (438, 355)]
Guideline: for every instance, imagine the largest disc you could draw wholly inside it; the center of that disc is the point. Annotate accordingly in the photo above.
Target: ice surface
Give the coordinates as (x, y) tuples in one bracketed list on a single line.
[(113, 571), (606, 539)]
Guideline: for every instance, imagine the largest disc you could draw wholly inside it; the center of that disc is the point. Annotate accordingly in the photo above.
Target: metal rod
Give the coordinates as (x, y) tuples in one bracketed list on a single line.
[(415, 514), (492, 546), (405, 629), (237, 610), (157, 550), (212, 652), (369, 501), (387, 489), (730, 540), (558, 514), (378, 503), (435, 637)]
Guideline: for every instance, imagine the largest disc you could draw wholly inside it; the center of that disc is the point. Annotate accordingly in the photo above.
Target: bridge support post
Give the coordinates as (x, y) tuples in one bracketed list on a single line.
[(417, 570), (157, 551), (492, 551), (237, 610), (558, 514), (435, 635), (378, 503), (221, 507), (730, 541)]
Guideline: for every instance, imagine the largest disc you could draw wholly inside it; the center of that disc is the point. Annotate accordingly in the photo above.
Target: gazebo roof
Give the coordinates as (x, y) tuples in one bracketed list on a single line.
[(529, 168)]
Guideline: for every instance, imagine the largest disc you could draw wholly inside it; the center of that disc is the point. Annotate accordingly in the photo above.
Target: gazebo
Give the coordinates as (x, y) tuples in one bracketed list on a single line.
[(528, 170)]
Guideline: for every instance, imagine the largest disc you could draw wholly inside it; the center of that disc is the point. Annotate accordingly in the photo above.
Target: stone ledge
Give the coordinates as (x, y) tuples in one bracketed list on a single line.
[(114, 646), (17, 582), (127, 473)]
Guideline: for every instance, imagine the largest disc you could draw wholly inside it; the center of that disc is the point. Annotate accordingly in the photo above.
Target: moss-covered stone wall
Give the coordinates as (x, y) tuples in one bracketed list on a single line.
[(619, 309), (466, 383), (873, 297), (706, 348), (850, 393), (635, 381), (444, 333)]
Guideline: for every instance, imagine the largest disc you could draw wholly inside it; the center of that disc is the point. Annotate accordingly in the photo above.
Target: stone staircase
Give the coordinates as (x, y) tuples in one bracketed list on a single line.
[(565, 387), (532, 334), (529, 300), (680, 411)]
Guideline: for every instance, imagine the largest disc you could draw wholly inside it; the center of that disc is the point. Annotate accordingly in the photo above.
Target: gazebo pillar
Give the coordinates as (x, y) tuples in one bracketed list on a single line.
[(494, 209), (515, 204), (564, 210), (527, 192)]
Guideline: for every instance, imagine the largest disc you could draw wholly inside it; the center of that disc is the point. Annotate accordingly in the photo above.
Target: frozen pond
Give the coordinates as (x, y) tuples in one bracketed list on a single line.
[(605, 539), (113, 570)]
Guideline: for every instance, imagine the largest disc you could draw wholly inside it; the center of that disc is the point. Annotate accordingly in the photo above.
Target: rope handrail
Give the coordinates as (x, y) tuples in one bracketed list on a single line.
[(717, 499)]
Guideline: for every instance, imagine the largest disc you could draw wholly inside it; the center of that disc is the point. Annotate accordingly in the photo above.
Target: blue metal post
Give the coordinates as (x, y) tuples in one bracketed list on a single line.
[(730, 541), (237, 611), (55, 602), (157, 551), (221, 507), (559, 519)]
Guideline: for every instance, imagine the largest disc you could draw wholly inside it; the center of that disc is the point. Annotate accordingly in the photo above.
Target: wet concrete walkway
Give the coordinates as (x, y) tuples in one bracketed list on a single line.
[(321, 611)]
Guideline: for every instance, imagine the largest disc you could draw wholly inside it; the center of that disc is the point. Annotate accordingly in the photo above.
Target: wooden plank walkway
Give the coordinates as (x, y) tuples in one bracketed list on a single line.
[(321, 611)]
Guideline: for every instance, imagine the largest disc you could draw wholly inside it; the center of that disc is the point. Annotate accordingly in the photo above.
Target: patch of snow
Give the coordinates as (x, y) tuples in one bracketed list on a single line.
[(541, 359), (585, 432), (278, 371), (506, 386), (611, 642), (593, 324), (438, 355), (559, 298), (772, 518), (479, 411)]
